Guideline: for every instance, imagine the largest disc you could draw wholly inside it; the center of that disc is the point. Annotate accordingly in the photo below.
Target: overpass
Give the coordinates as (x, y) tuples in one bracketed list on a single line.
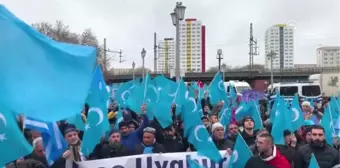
[(293, 74)]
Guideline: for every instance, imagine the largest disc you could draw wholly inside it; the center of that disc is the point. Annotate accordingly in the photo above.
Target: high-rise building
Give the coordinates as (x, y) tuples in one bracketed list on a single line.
[(166, 55), (280, 39), (328, 56), (192, 48)]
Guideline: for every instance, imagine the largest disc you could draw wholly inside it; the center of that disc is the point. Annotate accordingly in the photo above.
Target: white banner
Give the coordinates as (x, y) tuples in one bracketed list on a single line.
[(166, 160)]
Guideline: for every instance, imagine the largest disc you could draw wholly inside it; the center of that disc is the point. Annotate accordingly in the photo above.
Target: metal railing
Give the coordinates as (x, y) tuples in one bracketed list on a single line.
[(257, 70)]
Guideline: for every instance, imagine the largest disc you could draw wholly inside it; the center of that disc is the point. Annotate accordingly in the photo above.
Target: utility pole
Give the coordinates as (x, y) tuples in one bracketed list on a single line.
[(271, 56), (252, 50), (219, 57), (120, 56), (106, 60), (155, 52)]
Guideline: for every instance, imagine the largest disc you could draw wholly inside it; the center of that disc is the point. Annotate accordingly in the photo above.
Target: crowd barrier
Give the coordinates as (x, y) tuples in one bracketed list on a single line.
[(163, 160)]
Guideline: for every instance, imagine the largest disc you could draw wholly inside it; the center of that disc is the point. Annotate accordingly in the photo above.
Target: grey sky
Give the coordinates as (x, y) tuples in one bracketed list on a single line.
[(129, 24)]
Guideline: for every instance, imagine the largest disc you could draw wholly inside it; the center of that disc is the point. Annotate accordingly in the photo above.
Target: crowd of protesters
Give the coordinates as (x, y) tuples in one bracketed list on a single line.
[(136, 134)]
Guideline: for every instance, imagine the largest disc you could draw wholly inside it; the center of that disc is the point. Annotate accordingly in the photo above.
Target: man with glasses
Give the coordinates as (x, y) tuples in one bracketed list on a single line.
[(325, 155)]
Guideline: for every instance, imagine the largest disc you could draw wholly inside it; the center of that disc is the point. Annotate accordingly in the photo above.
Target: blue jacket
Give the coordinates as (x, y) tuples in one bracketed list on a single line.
[(132, 139)]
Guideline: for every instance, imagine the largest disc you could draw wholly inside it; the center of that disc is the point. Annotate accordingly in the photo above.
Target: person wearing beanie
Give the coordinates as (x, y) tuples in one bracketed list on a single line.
[(221, 143), (248, 133), (73, 154), (71, 134), (149, 144), (131, 139), (113, 148)]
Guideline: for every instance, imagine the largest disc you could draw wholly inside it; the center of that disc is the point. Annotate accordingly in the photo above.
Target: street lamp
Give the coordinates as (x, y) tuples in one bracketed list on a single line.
[(177, 16), (143, 53), (219, 57), (133, 70), (271, 55), (224, 67)]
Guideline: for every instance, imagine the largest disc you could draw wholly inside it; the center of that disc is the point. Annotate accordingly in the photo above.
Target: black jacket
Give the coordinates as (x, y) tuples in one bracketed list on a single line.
[(326, 156), (173, 144), (287, 152), (102, 151), (159, 130), (35, 157), (257, 162), (250, 139), (223, 144)]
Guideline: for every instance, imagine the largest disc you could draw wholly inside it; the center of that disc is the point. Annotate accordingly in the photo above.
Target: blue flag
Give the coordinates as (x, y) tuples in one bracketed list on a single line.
[(328, 125), (41, 78), (97, 122), (199, 137), (298, 119), (280, 123), (241, 153), (216, 89), (54, 142), (313, 162), (13, 144)]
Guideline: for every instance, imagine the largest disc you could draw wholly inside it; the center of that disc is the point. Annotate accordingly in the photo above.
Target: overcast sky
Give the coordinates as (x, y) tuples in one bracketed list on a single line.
[(129, 24)]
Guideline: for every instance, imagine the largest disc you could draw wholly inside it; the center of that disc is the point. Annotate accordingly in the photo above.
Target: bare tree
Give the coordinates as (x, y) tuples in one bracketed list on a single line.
[(246, 67), (139, 70), (61, 32), (215, 68), (88, 38)]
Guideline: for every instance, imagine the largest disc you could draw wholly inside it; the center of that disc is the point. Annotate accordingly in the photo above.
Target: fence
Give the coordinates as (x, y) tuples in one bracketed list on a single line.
[(258, 70)]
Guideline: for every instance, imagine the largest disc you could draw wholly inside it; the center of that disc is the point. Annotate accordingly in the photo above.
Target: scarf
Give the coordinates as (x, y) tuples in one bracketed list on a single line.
[(148, 149)]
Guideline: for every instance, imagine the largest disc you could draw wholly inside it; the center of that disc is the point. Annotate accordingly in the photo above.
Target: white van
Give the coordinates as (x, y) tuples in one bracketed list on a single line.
[(239, 86), (306, 91)]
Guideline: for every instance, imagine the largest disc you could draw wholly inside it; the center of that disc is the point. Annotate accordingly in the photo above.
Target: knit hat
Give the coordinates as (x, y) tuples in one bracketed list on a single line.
[(216, 125), (246, 118), (69, 128)]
